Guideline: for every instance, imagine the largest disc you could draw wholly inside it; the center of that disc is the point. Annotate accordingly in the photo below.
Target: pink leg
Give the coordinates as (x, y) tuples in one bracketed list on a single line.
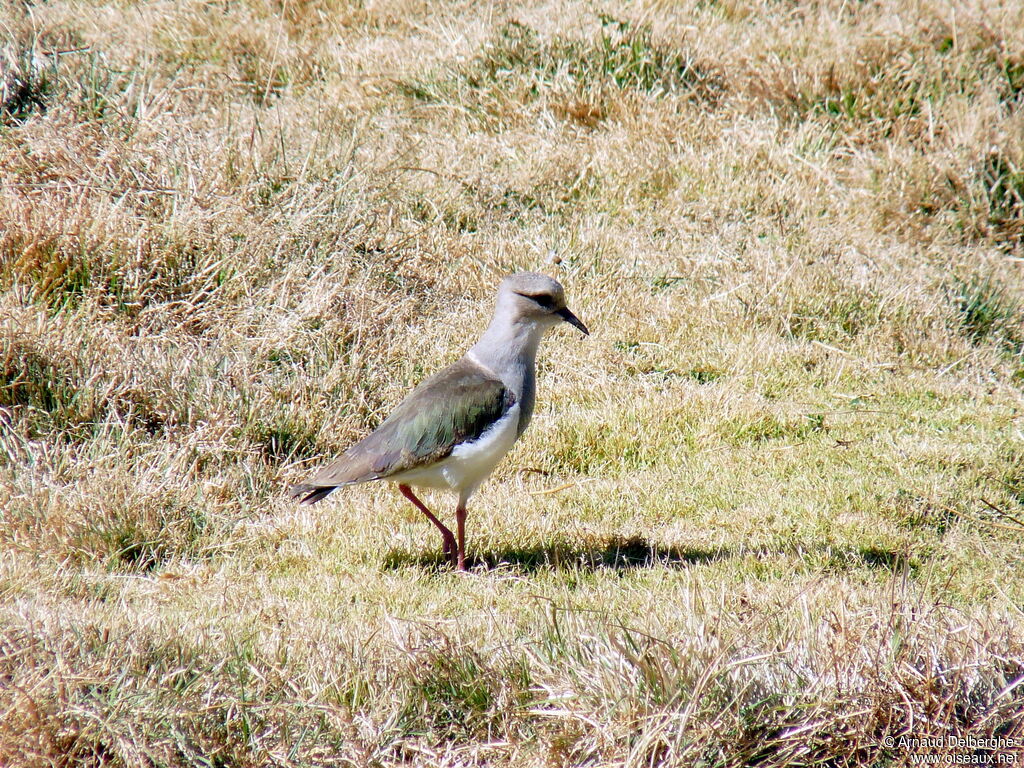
[(446, 535), (460, 519)]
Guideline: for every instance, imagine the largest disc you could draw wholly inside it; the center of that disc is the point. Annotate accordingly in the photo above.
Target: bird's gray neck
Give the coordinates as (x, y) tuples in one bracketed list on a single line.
[(509, 349)]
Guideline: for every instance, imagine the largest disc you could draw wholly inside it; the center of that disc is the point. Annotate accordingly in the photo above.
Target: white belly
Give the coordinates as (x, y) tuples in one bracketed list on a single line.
[(469, 463)]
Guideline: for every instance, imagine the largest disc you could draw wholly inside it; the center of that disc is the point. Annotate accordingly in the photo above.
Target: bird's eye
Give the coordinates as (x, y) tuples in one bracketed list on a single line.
[(542, 299)]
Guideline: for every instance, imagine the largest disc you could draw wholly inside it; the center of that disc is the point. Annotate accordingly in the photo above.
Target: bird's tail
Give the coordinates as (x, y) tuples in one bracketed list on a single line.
[(309, 494)]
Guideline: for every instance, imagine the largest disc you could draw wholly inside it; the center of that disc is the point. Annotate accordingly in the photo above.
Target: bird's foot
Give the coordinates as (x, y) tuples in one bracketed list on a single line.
[(450, 550)]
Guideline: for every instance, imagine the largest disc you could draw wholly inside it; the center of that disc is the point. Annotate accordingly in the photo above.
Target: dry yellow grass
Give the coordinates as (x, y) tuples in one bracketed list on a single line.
[(770, 513)]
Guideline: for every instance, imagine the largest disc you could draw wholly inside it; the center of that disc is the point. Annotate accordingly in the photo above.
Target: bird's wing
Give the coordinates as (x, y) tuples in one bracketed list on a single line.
[(453, 406)]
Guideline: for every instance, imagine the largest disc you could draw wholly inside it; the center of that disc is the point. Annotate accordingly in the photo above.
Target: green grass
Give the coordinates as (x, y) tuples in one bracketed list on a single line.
[(518, 63), (26, 85), (769, 513), (987, 311)]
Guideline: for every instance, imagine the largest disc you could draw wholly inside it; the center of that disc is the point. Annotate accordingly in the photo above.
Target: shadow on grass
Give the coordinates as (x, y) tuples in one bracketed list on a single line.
[(613, 554), (622, 554), (884, 559)]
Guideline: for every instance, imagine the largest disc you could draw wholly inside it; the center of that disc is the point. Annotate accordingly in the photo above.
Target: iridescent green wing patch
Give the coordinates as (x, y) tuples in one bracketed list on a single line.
[(453, 406)]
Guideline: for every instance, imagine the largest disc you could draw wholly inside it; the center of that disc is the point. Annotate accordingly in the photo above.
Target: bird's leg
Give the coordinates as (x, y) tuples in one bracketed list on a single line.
[(446, 535), (460, 520)]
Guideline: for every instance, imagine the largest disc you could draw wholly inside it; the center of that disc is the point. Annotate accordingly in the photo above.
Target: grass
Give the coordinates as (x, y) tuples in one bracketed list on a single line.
[(622, 56), (769, 513), (24, 89), (987, 311)]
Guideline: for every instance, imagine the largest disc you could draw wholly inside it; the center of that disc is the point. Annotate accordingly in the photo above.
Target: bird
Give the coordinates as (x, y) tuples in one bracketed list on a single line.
[(454, 428)]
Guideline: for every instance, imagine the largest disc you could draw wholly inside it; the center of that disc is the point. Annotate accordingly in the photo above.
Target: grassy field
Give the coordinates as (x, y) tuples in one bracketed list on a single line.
[(771, 512)]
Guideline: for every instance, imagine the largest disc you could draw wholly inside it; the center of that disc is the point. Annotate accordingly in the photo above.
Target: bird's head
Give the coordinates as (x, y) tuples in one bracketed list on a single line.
[(536, 297)]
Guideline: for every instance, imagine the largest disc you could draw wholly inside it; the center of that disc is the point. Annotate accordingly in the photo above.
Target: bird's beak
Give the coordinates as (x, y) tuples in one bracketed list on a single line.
[(571, 319)]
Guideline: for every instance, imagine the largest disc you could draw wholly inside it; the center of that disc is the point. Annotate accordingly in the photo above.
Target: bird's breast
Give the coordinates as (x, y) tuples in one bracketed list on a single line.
[(470, 462)]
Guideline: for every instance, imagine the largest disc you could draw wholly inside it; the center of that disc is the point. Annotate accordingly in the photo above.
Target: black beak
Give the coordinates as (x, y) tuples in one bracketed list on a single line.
[(571, 319)]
